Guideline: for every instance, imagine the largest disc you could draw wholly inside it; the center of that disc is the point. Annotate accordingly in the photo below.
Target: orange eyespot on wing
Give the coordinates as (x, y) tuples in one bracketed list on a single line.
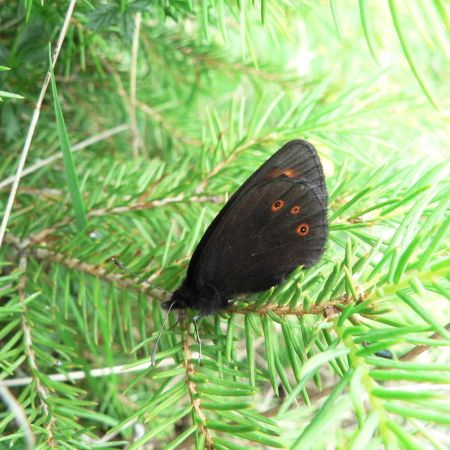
[(277, 172), (295, 209), (302, 230), (276, 206)]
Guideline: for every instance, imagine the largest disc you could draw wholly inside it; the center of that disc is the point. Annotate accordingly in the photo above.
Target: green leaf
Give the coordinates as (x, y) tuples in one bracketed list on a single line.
[(420, 377), (309, 369), (363, 11), (10, 95), (334, 13), (426, 316), (408, 54), (160, 428), (267, 329), (72, 178), (181, 438), (330, 412), (429, 416)]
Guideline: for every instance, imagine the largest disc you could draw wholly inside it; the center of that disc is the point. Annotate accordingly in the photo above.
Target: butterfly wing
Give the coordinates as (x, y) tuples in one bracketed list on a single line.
[(274, 228), (296, 160), (248, 247)]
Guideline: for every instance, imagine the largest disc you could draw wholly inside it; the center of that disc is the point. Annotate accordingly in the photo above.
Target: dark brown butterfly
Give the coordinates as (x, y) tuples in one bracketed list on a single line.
[(275, 222)]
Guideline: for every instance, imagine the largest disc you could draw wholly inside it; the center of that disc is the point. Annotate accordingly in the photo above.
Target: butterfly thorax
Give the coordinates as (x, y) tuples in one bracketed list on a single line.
[(206, 300)]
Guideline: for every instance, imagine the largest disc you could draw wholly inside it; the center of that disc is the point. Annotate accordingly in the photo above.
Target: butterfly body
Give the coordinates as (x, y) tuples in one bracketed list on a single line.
[(275, 222)]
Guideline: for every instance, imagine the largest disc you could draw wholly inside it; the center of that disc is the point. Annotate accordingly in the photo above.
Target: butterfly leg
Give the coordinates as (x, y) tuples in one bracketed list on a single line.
[(195, 321), (155, 346)]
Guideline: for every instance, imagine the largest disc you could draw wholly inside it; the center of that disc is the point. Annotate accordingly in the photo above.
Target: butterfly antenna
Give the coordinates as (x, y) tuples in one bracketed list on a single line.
[(141, 279), (155, 347), (195, 321)]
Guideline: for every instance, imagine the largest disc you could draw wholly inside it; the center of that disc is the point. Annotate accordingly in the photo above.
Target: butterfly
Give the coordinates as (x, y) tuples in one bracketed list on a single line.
[(275, 222)]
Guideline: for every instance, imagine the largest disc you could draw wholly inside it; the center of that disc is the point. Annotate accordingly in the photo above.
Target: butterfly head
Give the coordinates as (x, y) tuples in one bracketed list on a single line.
[(207, 300), (182, 298)]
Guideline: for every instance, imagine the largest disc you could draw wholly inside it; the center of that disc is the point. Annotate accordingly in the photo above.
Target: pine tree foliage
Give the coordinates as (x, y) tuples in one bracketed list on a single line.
[(168, 106)]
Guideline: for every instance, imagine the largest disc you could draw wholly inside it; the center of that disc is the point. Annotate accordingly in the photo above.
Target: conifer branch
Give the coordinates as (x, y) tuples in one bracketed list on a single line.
[(329, 308), (42, 235), (166, 125), (140, 206), (29, 351), (146, 109), (75, 148), (239, 149), (100, 271), (97, 271), (210, 58)]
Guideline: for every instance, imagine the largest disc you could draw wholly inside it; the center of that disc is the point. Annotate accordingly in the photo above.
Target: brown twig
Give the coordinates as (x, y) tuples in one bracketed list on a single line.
[(171, 129), (260, 140), (138, 206), (195, 401), (98, 272), (419, 349), (156, 203), (296, 311)]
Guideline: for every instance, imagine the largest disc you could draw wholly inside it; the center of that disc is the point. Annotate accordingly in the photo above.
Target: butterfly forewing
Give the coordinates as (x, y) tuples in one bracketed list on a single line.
[(296, 160), (275, 222)]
